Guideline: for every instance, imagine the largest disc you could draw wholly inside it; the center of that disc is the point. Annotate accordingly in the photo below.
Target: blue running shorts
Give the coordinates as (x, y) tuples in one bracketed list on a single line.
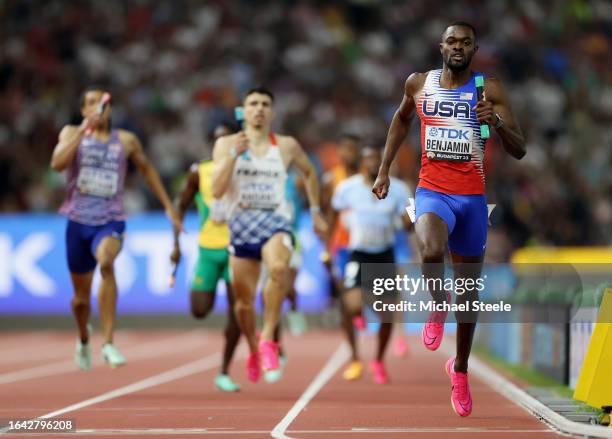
[(465, 215), (82, 241)]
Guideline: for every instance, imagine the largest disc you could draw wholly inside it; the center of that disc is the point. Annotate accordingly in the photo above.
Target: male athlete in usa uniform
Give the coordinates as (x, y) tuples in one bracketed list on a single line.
[(451, 209)]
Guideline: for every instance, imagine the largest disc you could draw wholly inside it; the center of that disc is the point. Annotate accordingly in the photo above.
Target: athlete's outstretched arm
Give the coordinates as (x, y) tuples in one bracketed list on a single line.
[(309, 173), (224, 157), (150, 175), (397, 133), (182, 203), (496, 102)]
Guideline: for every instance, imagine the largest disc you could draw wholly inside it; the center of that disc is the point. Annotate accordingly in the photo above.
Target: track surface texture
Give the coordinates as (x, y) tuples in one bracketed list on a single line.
[(166, 389)]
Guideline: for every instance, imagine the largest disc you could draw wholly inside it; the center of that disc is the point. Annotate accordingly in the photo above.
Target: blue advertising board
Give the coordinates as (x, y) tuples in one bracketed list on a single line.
[(34, 276)]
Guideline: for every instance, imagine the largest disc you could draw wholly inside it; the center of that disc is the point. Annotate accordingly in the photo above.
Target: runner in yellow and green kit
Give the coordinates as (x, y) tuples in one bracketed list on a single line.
[(213, 259)]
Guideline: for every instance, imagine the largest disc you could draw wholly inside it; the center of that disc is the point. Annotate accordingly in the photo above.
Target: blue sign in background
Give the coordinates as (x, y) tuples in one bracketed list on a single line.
[(34, 276)]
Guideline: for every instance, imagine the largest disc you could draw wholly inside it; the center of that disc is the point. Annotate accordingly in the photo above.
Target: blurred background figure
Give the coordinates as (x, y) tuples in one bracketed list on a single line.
[(371, 225), (213, 259), (95, 158)]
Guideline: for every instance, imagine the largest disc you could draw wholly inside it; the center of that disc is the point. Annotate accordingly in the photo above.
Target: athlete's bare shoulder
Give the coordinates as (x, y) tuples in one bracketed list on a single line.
[(130, 141), (286, 141), (288, 145), (290, 150), (68, 130), (414, 83), (226, 141), (126, 135), (223, 145)]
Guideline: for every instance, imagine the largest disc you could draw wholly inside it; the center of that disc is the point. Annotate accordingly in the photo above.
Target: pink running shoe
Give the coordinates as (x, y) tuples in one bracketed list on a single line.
[(359, 322), (269, 355), (400, 347), (461, 399), (380, 373), (253, 367), (433, 329)]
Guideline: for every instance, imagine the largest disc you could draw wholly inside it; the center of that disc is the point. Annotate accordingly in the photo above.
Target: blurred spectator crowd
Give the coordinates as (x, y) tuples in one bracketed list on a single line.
[(176, 69)]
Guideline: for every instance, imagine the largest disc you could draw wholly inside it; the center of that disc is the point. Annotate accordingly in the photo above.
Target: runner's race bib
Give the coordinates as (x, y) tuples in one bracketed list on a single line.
[(452, 144), (97, 182), (259, 195)]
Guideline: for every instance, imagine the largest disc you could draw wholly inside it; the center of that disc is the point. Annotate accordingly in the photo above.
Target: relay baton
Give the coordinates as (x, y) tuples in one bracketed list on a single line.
[(484, 128)]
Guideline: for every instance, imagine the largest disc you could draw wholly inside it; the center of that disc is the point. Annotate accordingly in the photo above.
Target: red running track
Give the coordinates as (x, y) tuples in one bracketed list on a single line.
[(166, 389)]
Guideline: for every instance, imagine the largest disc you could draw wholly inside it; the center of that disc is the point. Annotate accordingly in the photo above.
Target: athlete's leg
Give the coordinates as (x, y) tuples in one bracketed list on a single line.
[(400, 344), (466, 267), (81, 303), (432, 236), (81, 264), (291, 294), (351, 307), (232, 332), (277, 338), (432, 239), (276, 254), (467, 245), (384, 335), (204, 285), (245, 273), (377, 366), (202, 302), (106, 253)]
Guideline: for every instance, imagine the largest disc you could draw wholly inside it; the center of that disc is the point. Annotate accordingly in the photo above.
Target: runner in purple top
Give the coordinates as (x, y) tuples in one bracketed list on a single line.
[(95, 157)]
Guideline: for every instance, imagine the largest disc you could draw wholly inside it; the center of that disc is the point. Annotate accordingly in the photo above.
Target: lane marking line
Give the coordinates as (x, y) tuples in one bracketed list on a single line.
[(183, 371), (338, 358)]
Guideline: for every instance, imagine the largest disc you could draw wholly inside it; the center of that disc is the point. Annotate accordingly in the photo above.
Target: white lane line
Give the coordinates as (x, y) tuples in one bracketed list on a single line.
[(503, 386), (339, 357), (183, 371), (144, 351), (231, 431)]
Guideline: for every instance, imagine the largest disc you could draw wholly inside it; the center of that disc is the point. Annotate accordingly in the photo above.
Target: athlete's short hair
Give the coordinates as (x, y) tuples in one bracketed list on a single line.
[(94, 87), (461, 23), (261, 90)]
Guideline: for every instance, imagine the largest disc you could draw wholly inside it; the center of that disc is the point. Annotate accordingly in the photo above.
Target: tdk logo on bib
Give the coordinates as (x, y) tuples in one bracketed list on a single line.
[(452, 144), (447, 109), (450, 133)]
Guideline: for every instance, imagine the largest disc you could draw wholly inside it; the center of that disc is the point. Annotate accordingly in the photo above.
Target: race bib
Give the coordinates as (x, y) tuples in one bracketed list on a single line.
[(97, 182), (259, 195), (452, 144)]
